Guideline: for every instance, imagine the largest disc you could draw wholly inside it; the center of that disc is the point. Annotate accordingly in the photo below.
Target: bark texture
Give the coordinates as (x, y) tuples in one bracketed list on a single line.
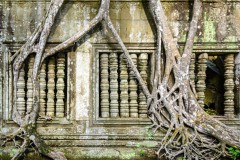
[(173, 108)]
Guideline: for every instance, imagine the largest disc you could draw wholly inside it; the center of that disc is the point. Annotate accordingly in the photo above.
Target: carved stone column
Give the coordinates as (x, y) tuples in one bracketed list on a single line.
[(60, 86), (51, 87), (21, 92), (124, 107), (113, 67), (42, 81), (30, 84), (142, 65), (104, 85), (192, 69), (133, 96), (229, 86), (201, 76)]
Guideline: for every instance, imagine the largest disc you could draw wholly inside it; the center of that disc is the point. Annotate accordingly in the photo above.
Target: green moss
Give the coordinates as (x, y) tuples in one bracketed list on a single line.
[(129, 155), (34, 156), (4, 156)]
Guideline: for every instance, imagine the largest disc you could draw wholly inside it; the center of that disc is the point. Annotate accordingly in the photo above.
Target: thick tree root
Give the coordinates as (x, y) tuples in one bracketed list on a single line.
[(189, 132), (30, 139), (35, 45)]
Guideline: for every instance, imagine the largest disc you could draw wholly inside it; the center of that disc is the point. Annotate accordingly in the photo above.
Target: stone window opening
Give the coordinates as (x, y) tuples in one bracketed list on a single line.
[(53, 88), (213, 76), (118, 98), (214, 93), (120, 94)]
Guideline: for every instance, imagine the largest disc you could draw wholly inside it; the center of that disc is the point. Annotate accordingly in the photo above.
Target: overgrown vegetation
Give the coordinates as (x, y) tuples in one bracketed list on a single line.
[(211, 111), (234, 152)]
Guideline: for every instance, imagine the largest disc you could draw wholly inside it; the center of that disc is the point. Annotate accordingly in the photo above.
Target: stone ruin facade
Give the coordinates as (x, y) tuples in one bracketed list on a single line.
[(97, 106)]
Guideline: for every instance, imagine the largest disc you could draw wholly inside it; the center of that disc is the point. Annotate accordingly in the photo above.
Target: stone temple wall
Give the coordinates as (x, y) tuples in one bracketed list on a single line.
[(82, 131)]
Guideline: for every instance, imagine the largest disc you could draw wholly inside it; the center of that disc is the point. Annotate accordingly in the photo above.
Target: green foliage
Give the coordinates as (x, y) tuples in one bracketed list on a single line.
[(234, 152), (211, 111), (129, 156), (142, 152), (13, 152), (150, 135), (181, 158)]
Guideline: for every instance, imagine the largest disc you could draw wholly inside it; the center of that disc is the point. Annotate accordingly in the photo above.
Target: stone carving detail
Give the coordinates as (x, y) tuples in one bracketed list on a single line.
[(42, 81), (21, 93), (60, 86), (30, 84), (124, 106), (192, 69), (229, 86), (113, 67), (142, 66), (133, 87), (104, 85), (201, 85), (120, 94), (51, 87)]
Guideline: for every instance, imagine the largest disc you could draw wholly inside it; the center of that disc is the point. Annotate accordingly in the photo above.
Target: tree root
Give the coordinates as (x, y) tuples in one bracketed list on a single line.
[(190, 132), (31, 139), (35, 44)]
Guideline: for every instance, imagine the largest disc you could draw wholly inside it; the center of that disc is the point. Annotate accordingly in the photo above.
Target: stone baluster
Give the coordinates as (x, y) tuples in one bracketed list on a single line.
[(113, 67), (124, 106), (42, 81), (142, 66), (51, 87), (192, 69), (30, 84), (21, 92), (60, 86), (229, 86), (133, 96), (104, 85), (201, 76)]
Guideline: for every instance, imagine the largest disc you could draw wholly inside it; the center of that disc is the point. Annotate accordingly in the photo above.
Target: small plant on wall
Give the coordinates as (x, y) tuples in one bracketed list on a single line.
[(234, 152)]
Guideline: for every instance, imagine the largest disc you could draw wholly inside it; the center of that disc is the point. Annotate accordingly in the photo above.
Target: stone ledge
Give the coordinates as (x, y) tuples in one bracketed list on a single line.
[(91, 153), (198, 47)]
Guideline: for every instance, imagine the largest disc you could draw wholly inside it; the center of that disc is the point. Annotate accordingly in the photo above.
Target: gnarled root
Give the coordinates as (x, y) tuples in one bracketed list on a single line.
[(190, 132), (30, 139)]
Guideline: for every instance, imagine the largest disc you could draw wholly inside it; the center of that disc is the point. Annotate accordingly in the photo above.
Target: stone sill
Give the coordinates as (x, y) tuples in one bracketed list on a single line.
[(122, 121), (216, 47), (132, 121), (54, 121), (93, 153), (229, 121)]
